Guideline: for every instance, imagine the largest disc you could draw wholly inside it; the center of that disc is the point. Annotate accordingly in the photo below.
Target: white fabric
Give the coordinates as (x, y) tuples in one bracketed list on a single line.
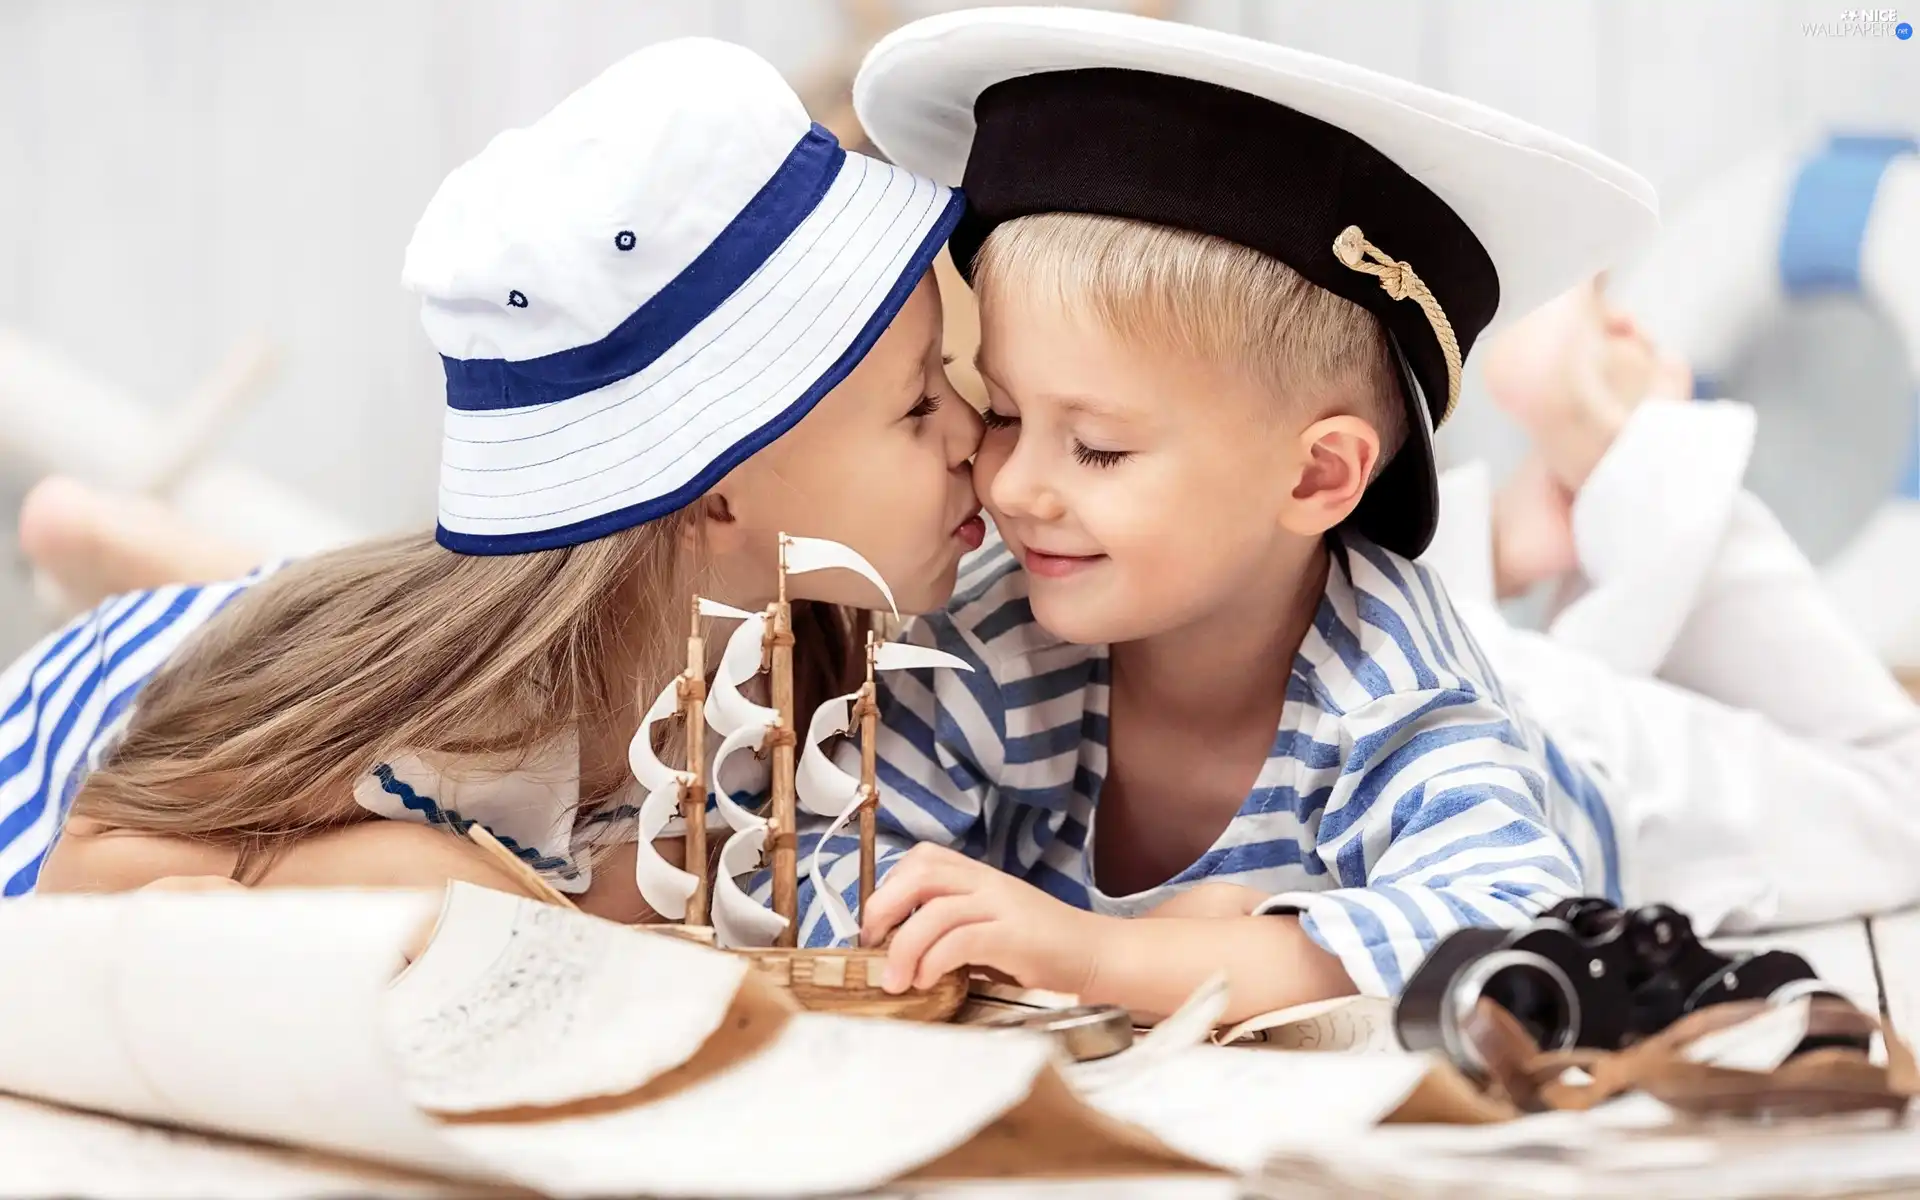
[(817, 554), (662, 885), (727, 710), (822, 788), (1763, 766), (1649, 523), (839, 915), (529, 469), (1547, 210), (739, 919), (645, 286), (751, 739), (530, 805), (713, 608), (641, 759), (618, 154), (903, 656)]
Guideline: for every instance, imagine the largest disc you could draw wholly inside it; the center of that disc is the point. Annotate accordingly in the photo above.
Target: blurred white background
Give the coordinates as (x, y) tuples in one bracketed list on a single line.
[(178, 174)]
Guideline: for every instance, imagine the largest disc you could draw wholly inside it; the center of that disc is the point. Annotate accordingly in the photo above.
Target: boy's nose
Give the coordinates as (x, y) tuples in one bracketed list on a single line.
[(1018, 489)]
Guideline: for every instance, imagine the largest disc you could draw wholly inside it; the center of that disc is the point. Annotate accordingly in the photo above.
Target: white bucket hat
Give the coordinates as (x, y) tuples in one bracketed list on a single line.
[(646, 286)]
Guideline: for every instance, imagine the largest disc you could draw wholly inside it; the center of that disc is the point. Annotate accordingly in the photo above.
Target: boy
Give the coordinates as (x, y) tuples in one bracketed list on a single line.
[(1218, 326)]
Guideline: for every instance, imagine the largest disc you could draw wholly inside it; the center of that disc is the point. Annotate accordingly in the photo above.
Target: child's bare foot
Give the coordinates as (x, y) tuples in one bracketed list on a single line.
[(1550, 373), (1573, 371), (1532, 530), (93, 544)]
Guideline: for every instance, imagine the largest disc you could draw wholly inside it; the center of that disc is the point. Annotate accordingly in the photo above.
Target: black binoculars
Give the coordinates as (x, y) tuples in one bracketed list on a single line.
[(1586, 974)]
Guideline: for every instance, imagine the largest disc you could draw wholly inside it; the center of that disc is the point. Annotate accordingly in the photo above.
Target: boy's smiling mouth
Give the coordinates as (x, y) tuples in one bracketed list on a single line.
[(1057, 566)]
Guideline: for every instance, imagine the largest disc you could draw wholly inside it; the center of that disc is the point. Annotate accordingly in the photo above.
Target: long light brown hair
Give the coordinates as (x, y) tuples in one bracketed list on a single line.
[(256, 731)]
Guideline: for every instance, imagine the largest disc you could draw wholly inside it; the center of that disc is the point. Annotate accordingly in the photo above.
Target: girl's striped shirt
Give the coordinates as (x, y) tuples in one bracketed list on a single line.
[(66, 698)]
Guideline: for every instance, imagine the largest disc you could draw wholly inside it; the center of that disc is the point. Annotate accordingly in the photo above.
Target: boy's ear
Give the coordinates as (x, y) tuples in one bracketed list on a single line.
[(716, 525), (1338, 456)]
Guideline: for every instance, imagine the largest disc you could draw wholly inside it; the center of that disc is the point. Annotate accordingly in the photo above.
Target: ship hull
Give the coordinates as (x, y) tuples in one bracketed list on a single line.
[(847, 981), (842, 980)]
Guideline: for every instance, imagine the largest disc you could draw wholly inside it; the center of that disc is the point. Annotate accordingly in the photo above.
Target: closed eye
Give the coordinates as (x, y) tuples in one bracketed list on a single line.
[(1087, 456), (994, 420), (927, 406)]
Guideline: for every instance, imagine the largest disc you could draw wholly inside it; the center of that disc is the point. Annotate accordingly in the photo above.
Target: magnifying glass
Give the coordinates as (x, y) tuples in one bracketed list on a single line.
[(1085, 1032)]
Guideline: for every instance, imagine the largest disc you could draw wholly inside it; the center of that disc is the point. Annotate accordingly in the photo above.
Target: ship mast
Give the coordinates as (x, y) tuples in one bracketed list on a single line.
[(868, 713), (693, 789), (781, 837)]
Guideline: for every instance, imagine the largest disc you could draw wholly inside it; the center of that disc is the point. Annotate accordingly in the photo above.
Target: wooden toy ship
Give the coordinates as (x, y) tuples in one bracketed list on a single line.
[(705, 895)]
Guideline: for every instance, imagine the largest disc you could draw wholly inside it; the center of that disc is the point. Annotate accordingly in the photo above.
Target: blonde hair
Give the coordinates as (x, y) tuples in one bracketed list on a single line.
[(1208, 298), (256, 731)]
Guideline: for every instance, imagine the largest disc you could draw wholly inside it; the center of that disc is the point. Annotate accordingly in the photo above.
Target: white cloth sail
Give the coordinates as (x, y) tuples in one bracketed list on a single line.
[(827, 790), (845, 925), (727, 710), (663, 886), (713, 608), (739, 920), (821, 787), (646, 765), (745, 739), (899, 656), (818, 554)]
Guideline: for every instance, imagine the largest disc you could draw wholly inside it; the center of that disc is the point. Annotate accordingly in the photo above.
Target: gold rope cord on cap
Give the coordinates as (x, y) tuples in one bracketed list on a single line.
[(1354, 250)]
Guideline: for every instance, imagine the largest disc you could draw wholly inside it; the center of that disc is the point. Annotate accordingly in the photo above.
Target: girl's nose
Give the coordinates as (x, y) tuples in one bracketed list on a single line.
[(964, 431)]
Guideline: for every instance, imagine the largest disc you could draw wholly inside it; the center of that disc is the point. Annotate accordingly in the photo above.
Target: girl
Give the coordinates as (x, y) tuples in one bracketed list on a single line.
[(676, 319)]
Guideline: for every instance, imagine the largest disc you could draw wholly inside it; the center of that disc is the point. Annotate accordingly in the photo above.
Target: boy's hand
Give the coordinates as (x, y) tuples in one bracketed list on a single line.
[(947, 911)]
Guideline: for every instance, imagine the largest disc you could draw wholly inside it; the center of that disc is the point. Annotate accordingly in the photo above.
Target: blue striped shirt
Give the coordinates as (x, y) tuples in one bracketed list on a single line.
[(1402, 798), (67, 697)]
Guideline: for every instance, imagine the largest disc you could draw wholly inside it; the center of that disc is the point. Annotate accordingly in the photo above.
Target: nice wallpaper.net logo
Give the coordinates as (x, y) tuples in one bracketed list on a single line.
[(1861, 23)]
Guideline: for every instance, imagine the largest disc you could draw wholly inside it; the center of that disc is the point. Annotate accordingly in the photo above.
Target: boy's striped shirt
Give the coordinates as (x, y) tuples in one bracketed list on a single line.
[(1401, 799)]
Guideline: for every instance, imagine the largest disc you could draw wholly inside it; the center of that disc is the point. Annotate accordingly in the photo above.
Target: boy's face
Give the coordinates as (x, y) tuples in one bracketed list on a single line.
[(1143, 491), (880, 465)]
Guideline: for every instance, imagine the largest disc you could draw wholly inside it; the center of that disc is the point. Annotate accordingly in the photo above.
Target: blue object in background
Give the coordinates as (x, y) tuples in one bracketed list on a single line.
[(1827, 214), (1826, 226)]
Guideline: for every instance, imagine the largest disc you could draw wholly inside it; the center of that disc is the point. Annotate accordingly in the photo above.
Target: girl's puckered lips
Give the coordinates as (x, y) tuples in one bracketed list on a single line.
[(972, 532)]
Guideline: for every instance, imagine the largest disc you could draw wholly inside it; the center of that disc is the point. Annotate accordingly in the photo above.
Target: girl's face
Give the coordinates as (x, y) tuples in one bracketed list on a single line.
[(882, 464)]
